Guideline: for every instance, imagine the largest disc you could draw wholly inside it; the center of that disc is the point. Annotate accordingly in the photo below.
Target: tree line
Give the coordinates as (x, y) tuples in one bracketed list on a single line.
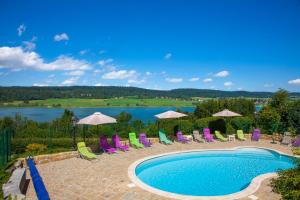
[(40, 93)]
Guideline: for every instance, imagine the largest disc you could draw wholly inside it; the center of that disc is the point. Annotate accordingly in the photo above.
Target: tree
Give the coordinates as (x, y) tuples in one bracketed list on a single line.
[(268, 120)]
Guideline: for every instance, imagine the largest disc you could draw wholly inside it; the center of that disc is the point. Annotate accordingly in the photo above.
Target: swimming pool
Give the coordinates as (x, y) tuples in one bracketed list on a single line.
[(210, 172)]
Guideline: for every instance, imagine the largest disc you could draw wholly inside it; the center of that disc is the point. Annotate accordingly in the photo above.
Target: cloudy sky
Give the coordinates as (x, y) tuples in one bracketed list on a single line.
[(215, 44)]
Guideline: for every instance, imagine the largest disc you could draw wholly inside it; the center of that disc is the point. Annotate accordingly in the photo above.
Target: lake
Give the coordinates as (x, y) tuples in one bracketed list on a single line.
[(48, 114)]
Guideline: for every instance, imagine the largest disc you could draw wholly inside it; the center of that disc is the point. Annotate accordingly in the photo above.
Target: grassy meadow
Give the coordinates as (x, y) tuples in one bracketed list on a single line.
[(114, 102)]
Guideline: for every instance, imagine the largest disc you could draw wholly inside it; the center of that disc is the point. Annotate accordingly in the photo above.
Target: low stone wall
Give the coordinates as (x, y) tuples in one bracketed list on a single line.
[(71, 154)]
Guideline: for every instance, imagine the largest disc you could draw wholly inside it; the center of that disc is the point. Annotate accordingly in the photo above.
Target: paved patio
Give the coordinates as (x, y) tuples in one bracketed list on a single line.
[(106, 177)]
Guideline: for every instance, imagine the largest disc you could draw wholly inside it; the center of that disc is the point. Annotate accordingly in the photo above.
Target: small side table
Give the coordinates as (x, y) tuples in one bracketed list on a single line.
[(231, 137)]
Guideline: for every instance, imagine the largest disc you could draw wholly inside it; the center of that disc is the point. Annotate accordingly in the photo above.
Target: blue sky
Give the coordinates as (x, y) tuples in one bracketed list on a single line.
[(216, 44)]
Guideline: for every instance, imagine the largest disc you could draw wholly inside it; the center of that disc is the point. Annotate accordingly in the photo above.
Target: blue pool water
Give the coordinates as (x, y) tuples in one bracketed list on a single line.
[(210, 173)]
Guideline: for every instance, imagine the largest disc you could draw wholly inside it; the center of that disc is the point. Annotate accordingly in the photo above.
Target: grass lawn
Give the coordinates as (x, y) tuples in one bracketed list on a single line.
[(120, 102)]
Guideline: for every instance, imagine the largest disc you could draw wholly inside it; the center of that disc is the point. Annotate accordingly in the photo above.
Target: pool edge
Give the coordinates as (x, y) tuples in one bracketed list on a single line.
[(252, 188)]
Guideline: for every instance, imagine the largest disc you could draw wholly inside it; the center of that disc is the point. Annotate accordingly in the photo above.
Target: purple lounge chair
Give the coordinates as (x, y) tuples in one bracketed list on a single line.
[(143, 139), (105, 146), (255, 135), (207, 136), (181, 138), (117, 143), (296, 142)]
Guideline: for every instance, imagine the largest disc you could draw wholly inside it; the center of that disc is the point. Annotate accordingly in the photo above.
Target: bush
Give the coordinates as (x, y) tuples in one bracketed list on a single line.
[(36, 148), (214, 123), (268, 120), (242, 123), (288, 183)]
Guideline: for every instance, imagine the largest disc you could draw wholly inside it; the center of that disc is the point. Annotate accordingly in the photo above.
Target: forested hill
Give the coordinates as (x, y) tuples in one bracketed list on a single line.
[(36, 93)]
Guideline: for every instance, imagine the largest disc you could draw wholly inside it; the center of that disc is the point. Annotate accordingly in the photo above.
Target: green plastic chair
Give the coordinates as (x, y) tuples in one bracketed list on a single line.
[(84, 152), (240, 135), (220, 136), (163, 138), (134, 141)]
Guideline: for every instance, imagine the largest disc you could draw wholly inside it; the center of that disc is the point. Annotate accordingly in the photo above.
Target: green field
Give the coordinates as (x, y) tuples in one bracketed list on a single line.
[(115, 102)]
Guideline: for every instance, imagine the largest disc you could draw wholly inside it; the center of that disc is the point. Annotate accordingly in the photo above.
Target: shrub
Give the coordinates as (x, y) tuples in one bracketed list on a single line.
[(268, 120), (242, 123), (288, 183), (36, 147)]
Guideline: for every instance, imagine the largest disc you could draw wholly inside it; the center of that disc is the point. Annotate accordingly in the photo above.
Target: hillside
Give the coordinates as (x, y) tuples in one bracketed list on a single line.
[(104, 92)]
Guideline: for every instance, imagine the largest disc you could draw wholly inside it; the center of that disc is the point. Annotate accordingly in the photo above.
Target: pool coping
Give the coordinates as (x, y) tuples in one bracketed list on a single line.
[(252, 188)]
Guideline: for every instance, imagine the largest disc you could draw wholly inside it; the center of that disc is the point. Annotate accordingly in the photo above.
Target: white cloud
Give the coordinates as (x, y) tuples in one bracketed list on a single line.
[(97, 71), (51, 76), (168, 56), (15, 58), (121, 74), (212, 87), (40, 85), (134, 81), (222, 74), (70, 81), (207, 80), (294, 82), (21, 29), (228, 84), (194, 79), (29, 46), (268, 85), (83, 52), (240, 88), (105, 62), (61, 37), (98, 84), (148, 73), (174, 80), (75, 73)]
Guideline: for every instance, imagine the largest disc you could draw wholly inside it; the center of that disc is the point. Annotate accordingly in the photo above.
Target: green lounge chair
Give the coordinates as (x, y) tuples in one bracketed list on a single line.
[(134, 141), (84, 152), (220, 136), (240, 135), (163, 138)]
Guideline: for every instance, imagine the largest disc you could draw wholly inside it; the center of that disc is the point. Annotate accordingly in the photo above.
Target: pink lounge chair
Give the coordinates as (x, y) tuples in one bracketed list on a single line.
[(105, 146), (117, 143), (207, 136), (296, 142), (255, 135)]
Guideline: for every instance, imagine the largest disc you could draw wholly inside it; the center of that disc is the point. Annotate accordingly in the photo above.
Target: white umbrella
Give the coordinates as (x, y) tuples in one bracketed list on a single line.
[(96, 119), (170, 114), (226, 113)]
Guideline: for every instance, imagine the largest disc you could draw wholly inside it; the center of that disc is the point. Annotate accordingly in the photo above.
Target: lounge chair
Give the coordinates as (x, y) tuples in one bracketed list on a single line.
[(134, 142), (105, 146), (207, 136), (181, 138), (287, 138), (84, 151), (255, 135), (240, 135), (163, 138), (117, 143), (296, 141), (197, 137), (220, 136), (143, 139)]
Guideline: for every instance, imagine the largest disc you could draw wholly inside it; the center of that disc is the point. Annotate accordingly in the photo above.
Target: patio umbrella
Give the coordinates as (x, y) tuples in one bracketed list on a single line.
[(97, 119), (169, 115), (226, 113)]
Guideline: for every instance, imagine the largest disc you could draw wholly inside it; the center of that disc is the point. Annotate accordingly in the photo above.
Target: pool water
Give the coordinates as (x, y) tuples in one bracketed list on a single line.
[(210, 173)]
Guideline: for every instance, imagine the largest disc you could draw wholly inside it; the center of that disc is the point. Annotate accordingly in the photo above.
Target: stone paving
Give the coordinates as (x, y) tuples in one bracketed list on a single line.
[(107, 176)]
